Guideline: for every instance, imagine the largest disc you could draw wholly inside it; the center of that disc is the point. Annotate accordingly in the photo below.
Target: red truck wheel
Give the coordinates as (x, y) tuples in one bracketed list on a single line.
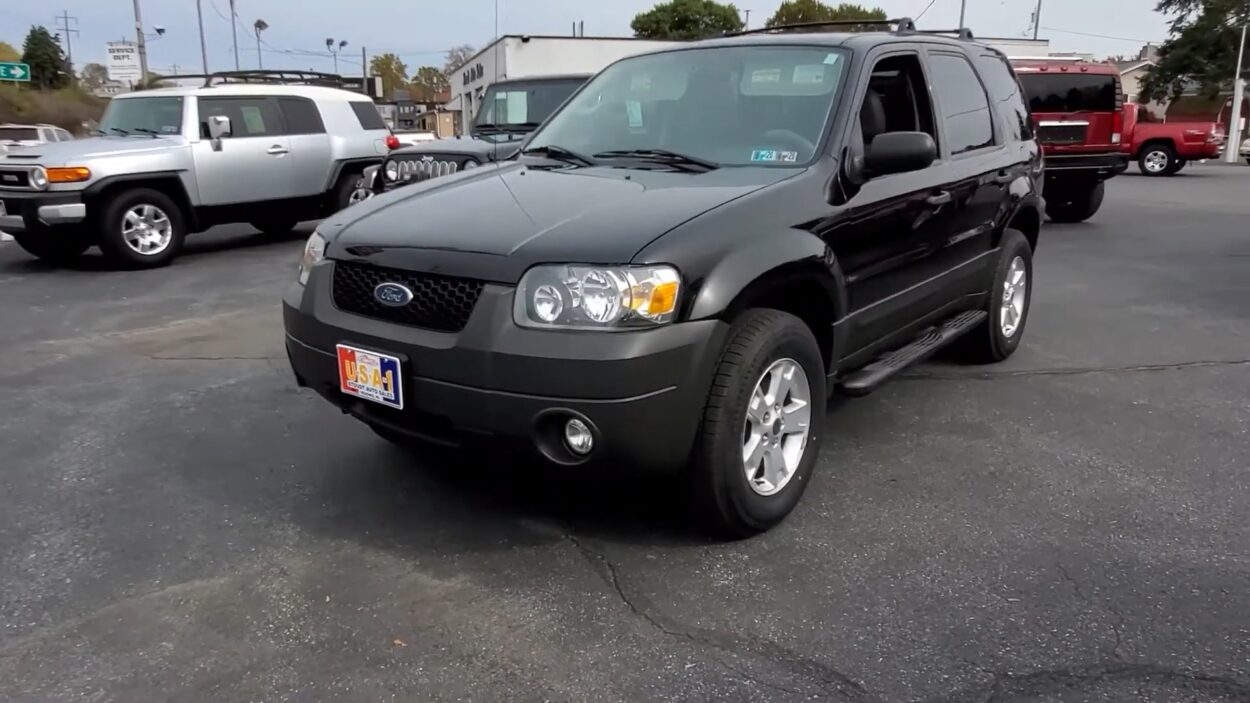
[(1157, 160)]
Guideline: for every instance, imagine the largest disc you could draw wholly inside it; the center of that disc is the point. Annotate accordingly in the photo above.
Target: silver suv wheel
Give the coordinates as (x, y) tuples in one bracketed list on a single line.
[(146, 229), (777, 426)]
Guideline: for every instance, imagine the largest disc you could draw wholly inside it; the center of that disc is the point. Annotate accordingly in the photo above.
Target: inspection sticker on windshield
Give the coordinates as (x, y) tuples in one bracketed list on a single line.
[(371, 376), (773, 156)]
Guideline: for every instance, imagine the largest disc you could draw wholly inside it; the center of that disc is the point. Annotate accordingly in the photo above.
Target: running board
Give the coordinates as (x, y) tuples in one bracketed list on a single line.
[(866, 380)]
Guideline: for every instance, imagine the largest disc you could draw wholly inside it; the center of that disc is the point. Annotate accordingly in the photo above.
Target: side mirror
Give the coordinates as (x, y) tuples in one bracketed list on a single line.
[(899, 152), (219, 126)]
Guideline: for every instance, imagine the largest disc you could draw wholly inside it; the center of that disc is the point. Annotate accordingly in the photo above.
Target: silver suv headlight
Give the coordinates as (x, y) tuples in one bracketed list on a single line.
[(589, 297), (314, 252), (38, 178)]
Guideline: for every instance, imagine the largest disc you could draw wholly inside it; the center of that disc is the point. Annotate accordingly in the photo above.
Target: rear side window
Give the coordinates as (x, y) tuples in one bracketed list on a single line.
[(17, 134), (1070, 92), (963, 103), (249, 117), (368, 115), (301, 116), (1005, 94)]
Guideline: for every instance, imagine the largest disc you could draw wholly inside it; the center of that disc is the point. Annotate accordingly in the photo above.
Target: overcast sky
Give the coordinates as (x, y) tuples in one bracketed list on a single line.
[(421, 30)]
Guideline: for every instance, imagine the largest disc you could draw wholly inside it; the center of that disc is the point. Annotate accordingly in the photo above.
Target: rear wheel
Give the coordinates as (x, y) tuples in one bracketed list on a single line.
[(53, 246), (1157, 160), (997, 337), (762, 425), (350, 190), (1075, 205), (141, 228)]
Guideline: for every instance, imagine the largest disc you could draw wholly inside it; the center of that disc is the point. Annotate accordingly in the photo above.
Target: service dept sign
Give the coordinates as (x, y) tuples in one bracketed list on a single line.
[(123, 63)]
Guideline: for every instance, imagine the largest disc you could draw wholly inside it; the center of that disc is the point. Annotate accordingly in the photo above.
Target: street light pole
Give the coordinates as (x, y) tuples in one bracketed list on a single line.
[(199, 11), (1037, 19), (1239, 91), (234, 36), (259, 26), (143, 47)]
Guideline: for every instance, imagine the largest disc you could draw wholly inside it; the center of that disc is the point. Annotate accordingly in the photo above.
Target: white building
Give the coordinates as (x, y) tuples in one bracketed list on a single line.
[(518, 56)]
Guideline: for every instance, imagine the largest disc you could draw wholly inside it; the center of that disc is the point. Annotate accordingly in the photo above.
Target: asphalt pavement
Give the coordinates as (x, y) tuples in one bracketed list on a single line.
[(179, 522)]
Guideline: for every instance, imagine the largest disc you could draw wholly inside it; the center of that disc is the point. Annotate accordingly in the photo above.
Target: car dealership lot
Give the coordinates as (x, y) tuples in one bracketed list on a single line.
[(178, 521)]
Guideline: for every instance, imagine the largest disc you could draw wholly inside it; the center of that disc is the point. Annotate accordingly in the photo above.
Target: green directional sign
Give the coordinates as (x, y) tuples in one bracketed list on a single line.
[(12, 71)]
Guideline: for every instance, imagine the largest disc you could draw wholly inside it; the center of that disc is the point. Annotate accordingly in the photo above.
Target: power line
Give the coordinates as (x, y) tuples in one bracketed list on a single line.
[(1100, 36), (926, 9)]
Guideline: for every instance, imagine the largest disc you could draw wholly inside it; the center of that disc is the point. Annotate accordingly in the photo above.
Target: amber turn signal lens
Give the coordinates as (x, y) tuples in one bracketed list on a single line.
[(74, 174)]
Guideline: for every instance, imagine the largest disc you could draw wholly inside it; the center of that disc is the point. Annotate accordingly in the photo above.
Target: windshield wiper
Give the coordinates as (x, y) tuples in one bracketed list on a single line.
[(124, 133), (145, 130), (559, 153), (99, 132), (662, 156)]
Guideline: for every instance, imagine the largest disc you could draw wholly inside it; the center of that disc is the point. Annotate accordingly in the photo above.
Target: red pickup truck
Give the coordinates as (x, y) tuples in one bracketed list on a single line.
[(1163, 148)]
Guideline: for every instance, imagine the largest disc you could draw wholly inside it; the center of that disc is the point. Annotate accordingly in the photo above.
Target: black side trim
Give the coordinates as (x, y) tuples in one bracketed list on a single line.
[(344, 163), (96, 188)]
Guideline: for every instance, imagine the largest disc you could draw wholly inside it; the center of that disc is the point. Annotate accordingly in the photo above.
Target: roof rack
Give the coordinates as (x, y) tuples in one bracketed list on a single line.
[(280, 76), (901, 25)]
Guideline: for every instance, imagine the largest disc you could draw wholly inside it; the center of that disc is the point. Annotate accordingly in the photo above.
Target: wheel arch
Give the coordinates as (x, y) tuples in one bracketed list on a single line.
[(168, 183), (1155, 141), (349, 166), (795, 272), (1027, 219)]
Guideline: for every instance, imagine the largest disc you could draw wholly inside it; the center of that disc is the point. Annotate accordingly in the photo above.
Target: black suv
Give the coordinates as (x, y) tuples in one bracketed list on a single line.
[(688, 258), (510, 110)]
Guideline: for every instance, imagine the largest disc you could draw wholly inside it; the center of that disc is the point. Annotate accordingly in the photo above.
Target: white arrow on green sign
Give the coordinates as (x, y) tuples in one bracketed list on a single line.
[(10, 71)]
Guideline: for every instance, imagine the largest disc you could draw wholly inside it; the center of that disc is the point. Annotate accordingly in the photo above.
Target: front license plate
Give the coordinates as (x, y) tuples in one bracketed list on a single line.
[(371, 376)]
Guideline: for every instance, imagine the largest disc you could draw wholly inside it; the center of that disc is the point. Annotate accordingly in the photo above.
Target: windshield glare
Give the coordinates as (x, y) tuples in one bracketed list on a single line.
[(133, 115), (735, 106), (521, 106)]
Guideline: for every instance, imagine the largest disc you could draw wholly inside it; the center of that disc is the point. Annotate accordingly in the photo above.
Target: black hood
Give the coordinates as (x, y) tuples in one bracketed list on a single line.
[(495, 222)]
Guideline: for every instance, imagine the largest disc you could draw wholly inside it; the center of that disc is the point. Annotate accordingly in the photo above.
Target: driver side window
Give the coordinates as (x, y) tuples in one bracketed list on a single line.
[(897, 100)]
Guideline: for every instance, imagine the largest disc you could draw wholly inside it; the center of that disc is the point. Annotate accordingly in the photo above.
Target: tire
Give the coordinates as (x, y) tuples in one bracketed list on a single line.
[(276, 227), (759, 341), (1157, 160), (126, 215), (349, 183), (1180, 164), (1076, 206), (53, 246), (993, 341), (1248, 160)]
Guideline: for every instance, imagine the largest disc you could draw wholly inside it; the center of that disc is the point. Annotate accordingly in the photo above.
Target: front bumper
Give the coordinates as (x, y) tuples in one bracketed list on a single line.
[(26, 210), (1099, 166), (642, 392)]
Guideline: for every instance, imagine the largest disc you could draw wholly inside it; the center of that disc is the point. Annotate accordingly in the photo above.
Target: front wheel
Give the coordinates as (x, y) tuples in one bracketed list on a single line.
[(1157, 160), (141, 228), (762, 424), (1075, 205)]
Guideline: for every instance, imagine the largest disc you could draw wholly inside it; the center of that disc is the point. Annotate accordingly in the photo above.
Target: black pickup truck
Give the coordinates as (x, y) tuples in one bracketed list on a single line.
[(687, 259)]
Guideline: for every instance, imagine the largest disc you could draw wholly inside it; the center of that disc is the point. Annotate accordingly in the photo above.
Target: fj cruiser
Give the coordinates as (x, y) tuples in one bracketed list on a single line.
[(1077, 116), (172, 161), (688, 258), (509, 112)]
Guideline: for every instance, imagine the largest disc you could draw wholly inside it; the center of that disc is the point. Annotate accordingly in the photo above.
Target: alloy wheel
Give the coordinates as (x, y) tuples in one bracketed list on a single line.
[(777, 427), (147, 230), (1015, 291)]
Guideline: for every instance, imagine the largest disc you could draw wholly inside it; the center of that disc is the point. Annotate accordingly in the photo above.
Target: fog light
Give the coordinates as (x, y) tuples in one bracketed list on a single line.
[(578, 437)]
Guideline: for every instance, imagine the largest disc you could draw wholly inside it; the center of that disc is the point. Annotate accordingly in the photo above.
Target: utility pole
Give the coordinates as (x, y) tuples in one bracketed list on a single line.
[(1239, 93), (746, 24), (199, 11), (963, 5), (64, 28), (234, 36), (143, 47), (364, 71), (1037, 19)]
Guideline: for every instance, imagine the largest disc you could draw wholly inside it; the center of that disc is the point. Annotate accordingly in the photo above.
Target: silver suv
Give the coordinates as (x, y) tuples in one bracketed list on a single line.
[(18, 136), (173, 161)]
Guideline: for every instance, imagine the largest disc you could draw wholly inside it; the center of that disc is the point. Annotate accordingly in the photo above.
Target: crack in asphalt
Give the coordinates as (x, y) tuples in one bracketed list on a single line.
[(1075, 371), (828, 679)]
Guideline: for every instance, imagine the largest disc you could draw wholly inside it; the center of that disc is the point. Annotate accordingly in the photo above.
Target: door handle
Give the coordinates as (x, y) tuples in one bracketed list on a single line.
[(1004, 177), (277, 150), (939, 199)]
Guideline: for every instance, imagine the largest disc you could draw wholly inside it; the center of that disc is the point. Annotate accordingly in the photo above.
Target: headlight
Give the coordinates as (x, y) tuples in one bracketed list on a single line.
[(596, 297), (392, 170), (314, 252), (38, 178), (470, 164)]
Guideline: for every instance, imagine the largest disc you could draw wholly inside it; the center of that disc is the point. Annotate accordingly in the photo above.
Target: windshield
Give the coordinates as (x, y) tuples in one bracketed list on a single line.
[(143, 116), (1069, 92), (733, 106), (17, 134), (520, 107)]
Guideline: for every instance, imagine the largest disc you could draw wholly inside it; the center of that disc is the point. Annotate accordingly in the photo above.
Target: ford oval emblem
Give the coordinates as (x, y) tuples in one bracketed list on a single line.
[(394, 295)]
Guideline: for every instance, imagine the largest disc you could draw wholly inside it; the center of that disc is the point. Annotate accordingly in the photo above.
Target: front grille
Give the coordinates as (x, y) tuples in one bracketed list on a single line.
[(440, 303), (1060, 133), (422, 167), (14, 178)]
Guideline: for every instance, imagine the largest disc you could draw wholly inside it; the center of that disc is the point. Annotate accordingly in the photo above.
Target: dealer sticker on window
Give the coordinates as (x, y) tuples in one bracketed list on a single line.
[(371, 376), (774, 156)]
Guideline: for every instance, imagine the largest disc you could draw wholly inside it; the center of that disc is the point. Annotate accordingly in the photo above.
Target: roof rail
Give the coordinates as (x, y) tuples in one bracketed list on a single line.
[(901, 25), (280, 76)]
